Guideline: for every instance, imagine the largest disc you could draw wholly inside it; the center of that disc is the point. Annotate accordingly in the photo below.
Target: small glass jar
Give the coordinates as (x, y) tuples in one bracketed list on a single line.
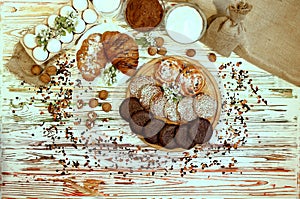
[(185, 23), (108, 8)]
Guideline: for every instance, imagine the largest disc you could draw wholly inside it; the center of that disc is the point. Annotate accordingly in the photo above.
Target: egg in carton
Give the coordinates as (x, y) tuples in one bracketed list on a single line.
[(59, 31)]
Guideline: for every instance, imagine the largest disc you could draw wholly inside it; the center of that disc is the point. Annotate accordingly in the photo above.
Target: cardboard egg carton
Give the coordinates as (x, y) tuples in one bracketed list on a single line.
[(64, 46)]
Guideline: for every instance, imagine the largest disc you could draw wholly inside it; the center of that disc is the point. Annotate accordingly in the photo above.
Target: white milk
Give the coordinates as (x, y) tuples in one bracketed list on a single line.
[(184, 24)]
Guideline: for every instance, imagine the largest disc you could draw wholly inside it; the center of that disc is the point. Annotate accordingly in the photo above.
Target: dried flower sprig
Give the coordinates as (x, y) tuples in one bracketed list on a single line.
[(110, 75), (172, 92), (62, 25)]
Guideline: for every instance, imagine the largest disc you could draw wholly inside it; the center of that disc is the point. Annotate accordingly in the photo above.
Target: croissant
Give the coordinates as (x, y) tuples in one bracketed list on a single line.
[(121, 50), (111, 46), (90, 57)]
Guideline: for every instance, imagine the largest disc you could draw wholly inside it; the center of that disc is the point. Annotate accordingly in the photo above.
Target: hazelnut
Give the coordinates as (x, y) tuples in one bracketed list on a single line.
[(103, 94), (45, 78), (190, 52), (162, 51), (93, 103), (152, 50), (51, 70), (106, 107), (36, 70), (212, 57), (159, 42)]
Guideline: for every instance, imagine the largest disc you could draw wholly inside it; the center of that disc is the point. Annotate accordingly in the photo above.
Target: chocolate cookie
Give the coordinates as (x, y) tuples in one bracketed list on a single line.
[(182, 137), (200, 130), (166, 136), (128, 107), (152, 140), (139, 120), (153, 127)]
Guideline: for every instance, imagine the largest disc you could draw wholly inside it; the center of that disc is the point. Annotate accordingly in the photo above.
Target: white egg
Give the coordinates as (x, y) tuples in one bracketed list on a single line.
[(67, 38), (51, 21), (40, 54), (80, 26), (54, 46), (40, 28), (66, 10), (90, 16), (80, 5), (30, 40)]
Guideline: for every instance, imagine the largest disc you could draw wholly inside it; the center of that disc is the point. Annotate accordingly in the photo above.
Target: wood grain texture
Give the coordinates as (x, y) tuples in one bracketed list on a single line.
[(267, 164)]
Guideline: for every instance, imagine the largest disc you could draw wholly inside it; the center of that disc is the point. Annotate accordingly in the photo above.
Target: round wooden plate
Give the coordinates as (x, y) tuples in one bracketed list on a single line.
[(211, 87)]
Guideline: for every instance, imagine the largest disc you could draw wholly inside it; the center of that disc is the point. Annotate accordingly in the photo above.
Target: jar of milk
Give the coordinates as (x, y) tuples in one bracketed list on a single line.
[(185, 23), (108, 8)]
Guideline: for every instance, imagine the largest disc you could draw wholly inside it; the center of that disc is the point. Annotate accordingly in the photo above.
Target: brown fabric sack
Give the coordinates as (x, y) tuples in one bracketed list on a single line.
[(226, 33)]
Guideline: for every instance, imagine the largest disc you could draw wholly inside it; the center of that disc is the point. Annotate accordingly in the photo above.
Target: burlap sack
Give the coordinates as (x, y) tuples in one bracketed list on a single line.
[(226, 33), (272, 32), (20, 64)]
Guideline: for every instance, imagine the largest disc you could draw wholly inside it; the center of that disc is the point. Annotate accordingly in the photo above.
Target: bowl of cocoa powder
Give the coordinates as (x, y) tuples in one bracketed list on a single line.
[(144, 15)]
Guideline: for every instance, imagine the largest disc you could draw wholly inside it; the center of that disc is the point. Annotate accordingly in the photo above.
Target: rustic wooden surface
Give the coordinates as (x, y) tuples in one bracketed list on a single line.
[(267, 164)]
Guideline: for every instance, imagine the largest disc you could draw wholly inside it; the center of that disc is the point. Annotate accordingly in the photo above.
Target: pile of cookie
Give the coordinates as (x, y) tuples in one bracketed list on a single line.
[(161, 133)]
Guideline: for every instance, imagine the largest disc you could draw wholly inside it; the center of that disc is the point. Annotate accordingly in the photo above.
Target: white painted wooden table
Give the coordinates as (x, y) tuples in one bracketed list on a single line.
[(266, 166)]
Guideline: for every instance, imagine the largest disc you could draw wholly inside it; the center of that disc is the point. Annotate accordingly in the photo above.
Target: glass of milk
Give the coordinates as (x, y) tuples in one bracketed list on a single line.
[(108, 8), (185, 23)]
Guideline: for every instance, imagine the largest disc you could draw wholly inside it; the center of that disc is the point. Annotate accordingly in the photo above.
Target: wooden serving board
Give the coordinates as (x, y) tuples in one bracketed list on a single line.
[(211, 88)]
